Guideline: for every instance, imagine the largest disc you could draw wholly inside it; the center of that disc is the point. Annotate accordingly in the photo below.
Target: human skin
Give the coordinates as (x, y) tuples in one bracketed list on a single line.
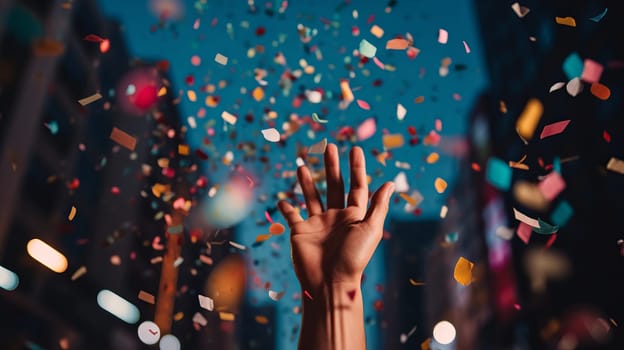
[(331, 248)]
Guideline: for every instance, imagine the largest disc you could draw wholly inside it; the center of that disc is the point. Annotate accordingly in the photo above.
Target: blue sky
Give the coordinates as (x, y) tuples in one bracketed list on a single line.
[(229, 28)]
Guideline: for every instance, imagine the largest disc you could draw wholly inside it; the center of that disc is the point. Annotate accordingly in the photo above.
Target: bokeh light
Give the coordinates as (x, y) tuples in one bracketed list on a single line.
[(444, 332)]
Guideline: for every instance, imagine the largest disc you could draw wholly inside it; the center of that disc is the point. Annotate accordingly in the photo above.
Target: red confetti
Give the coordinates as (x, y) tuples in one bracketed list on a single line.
[(606, 136), (476, 167), (94, 38), (260, 31), (307, 294)]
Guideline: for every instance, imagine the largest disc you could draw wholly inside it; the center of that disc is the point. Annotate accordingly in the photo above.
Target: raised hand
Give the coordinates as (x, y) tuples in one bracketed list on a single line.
[(335, 244)]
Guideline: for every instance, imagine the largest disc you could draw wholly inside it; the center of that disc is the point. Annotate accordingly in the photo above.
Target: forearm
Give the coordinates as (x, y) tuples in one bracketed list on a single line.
[(333, 318)]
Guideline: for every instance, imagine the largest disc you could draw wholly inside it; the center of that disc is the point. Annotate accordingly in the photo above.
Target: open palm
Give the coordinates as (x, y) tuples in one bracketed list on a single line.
[(334, 245)]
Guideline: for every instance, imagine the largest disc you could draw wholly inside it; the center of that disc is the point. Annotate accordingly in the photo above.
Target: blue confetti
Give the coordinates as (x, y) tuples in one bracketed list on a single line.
[(557, 165), (573, 66), (562, 213), (599, 17), (53, 127), (498, 174)]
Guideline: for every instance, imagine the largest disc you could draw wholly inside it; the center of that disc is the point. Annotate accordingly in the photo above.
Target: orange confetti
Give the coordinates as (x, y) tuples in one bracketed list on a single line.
[(408, 199), (192, 96), (397, 44), (425, 345), (183, 150), (178, 316), (393, 141), (277, 229), (440, 185), (347, 94), (517, 165), (566, 21), (104, 46), (226, 316), (419, 99), (415, 283), (476, 167), (123, 138), (262, 237), (147, 297), (212, 101), (377, 31), (262, 319), (433, 157), (600, 91), (258, 94), (72, 213), (463, 271), (528, 120)]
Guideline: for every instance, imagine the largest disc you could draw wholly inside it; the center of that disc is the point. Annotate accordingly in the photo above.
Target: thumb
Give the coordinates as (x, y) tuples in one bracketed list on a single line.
[(380, 202)]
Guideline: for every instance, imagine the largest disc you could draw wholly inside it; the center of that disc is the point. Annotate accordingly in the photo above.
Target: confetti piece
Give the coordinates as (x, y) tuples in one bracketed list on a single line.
[(276, 296), (592, 71), (366, 129), (178, 261), (400, 182), (307, 294), (498, 174), (123, 139), (93, 38), (401, 112), (440, 185), (90, 99), (442, 36), (104, 46), (363, 104), (520, 11), (367, 49), (220, 59), (316, 118), (226, 316), (551, 185), (529, 195), (147, 297), (562, 213), (228, 117), (545, 228), (200, 319), (554, 128), (377, 31), (277, 229), (433, 157), (600, 91), (205, 302), (237, 245), (574, 87), (393, 141), (466, 47), (598, 17), (79, 273), (261, 319), (524, 218), (314, 96), (271, 135), (566, 21), (345, 89), (319, 147), (72, 213), (443, 211), (257, 94), (528, 120), (425, 345), (397, 44), (524, 232), (408, 199), (417, 198), (556, 86), (413, 282), (573, 66), (616, 165), (463, 271), (504, 232), (451, 237), (262, 237)]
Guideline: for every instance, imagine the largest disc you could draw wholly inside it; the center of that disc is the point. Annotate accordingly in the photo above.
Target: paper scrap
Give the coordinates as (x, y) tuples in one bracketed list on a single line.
[(528, 120), (573, 66), (205, 302), (220, 59), (397, 44), (566, 21), (463, 271), (616, 165), (592, 71), (442, 36), (393, 141), (366, 129), (276, 296), (551, 185), (367, 49), (363, 104), (520, 11), (440, 185), (498, 174), (524, 232), (123, 138), (466, 47), (401, 112), (319, 147), (554, 128), (271, 135), (72, 213), (377, 31), (400, 182), (228, 117), (574, 87), (562, 213), (147, 297), (556, 86), (90, 99), (79, 273), (524, 218)]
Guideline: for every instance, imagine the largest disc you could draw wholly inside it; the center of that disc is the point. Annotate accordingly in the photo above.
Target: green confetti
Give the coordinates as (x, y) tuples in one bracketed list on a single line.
[(562, 213), (545, 228), (498, 174), (367, 49), (316, 118)]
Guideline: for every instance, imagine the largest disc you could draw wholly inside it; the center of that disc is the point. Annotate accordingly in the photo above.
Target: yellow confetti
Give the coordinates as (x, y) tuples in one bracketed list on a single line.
[(178, 316), (226, 316), (347, 94), (72, 213), (158, 189), (528, 120), (183, 150), (440, 185), (393, 141), (416, 283), (433, 157), (162, 91), (566, 21), (191, 95), (212, 101), (463, 271), (257, 94), (377, 31)]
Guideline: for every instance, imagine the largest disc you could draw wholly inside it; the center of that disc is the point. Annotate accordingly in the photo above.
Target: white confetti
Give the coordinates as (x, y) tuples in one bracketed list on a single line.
[(271, 135), (205, 302), (574, 87), (228, 117), (401, 112), (220, 59), (276, 296), (556, 86)]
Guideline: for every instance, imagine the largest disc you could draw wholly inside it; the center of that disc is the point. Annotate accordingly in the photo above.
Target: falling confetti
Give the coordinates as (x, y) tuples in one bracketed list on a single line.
[(463, 271)]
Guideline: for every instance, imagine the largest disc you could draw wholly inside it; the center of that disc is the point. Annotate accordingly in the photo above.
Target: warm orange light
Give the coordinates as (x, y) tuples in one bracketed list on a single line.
[(46, 255)]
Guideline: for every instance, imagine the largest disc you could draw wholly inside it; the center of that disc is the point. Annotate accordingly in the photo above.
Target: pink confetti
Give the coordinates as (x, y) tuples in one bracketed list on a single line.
[(592, 71), (442, 36), (307, 294), (363, 104), (379, 63), (466, 47), (267, 216), (554, 128), (552, 185), (366, 129), (524, 232), (551, 240)]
